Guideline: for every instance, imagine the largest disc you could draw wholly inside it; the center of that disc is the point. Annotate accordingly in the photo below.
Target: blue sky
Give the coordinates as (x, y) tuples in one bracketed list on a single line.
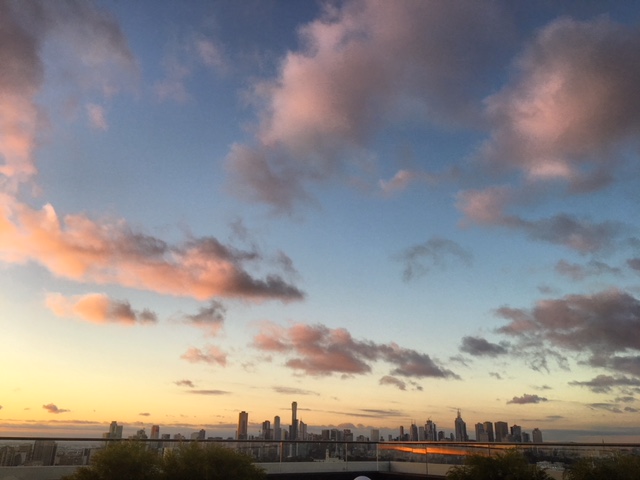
[(384, 211)]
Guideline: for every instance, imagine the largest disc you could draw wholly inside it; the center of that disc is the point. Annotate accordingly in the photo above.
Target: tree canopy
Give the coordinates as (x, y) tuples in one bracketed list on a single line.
[(619, 467), (510, 465), (133, 460)]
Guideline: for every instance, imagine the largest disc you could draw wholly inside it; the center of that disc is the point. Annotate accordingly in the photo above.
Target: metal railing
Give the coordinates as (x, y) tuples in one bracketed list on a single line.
[(428, 458)]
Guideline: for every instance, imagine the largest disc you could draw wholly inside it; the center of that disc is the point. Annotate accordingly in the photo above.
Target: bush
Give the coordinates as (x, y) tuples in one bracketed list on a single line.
[(128, 460), (510, 465), (132, 460), (616, 467), (193, 461)]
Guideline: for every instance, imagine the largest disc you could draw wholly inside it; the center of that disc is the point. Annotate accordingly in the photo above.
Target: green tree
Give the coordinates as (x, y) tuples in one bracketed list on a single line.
[(194, 461), (615, 467), (510, 465), (127, 460)]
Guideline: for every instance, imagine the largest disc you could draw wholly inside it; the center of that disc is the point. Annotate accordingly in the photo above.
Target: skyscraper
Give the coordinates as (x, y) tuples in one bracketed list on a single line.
[(115, 430), (277, 430), (267, 433), (536, 435), (243, 425), (461, 429), (488, 427), (516, 433), (481, 434), (375, 435), (502, 431), (294, 421), (431, 432)]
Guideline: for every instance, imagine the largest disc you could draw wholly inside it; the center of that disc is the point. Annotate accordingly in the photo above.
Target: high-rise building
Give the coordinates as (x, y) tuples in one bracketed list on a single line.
[(44, 453), (155, 432), (293, 433), (413, 433), (481, 434), (115, 430), (430, 431), (502, 431), (199, 435), (267, 433), (243, 426), (277, 430), (537, 435), (488, 427), (375, 435), (460, 429), (516, 433)]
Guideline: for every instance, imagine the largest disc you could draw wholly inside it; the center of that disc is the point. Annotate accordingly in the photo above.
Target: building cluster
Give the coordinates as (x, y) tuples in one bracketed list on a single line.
[(486, 432), (41, 453)]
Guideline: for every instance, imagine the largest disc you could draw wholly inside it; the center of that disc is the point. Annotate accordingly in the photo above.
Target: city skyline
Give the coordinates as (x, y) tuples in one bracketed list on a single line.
[(387, 211)]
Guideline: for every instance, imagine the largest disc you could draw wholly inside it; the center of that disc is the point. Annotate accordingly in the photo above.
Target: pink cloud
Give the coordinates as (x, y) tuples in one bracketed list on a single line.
[(97, 116), (211, 355), (81, 249), (318, 350), (97, 308), (572, 104), (361, 65)]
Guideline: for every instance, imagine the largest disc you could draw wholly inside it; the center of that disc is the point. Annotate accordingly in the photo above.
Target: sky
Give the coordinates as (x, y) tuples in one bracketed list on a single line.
[(384, 211)]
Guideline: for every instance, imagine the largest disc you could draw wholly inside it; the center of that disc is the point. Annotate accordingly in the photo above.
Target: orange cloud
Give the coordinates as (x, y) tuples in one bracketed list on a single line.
[(81, 249), (97, 308)]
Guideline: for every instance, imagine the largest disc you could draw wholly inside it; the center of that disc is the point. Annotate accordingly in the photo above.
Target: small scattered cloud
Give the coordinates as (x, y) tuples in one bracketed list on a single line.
[(495, 375), (541, 387), (145, 414), (580, 272), (183, 58), (211, 355), (606, 383), (575, 233), (403, 179), (627, 399), (98, 308), (435, 253), (185, 383), (631, 410), (609, 407), (209, 392), (396, 382), (480, 347), (210, 318), (527, 399), (97, 116), (293, 391), (52, 408)]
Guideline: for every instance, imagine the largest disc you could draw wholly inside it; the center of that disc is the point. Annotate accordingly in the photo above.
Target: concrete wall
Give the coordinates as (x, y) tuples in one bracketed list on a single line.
[(433, 469), (35, 473)]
